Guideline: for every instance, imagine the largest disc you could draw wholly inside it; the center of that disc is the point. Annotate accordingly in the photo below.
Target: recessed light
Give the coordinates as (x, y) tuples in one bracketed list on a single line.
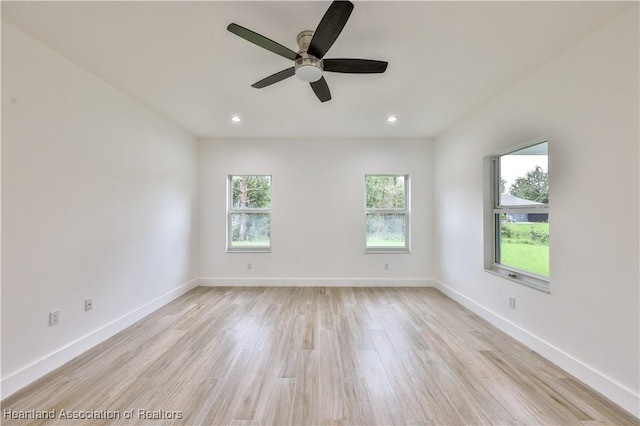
[(392, 119), (235, 119)]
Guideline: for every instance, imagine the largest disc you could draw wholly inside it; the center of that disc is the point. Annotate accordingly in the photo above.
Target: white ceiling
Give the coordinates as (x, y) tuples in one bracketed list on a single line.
[(445, 59)]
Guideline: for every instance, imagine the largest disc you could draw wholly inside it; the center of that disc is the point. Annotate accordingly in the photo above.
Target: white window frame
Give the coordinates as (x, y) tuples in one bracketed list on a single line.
[(492, 212), (231, 211), (406, 211)]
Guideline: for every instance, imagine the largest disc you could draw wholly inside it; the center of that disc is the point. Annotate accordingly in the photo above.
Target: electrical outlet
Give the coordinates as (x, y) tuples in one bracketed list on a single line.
[(249, 266), (512, 302), (54, 318), (88, 304), (386, 266)]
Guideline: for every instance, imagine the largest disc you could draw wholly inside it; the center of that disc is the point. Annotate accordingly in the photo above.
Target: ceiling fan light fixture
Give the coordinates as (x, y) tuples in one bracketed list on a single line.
[(308, 68), (308, 73)]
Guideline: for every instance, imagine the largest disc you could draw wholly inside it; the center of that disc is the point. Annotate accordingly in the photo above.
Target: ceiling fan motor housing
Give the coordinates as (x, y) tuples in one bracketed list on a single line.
[(308, 67)]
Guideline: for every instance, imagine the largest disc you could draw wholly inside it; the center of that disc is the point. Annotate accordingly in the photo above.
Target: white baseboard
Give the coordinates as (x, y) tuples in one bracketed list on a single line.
[(26, 375), (315, 282), (609, 388)]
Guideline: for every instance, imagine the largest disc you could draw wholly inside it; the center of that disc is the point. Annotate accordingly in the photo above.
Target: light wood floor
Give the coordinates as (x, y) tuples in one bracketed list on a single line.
[(321, 356)]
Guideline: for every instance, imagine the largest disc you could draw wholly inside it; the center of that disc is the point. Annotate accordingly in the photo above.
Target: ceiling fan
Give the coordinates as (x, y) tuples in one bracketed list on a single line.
[(313, 45)]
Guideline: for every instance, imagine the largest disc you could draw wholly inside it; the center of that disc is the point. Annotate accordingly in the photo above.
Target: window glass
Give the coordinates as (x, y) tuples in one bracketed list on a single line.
[(525, 246), (386, 230), (524, 178), (251, 192), (386, 192), (250, 229)]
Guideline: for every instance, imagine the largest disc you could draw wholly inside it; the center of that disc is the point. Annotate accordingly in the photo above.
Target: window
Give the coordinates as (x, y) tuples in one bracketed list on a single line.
[(249, 213), (387, 213), (518, 246)]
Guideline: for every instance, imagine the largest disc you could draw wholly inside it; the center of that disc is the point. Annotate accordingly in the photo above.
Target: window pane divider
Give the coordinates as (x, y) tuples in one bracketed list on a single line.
[(521, 209), (249, 210), (385, 211)]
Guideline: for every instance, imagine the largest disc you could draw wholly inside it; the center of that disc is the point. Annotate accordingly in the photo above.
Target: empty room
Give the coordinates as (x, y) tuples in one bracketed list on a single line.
[(320, 213)]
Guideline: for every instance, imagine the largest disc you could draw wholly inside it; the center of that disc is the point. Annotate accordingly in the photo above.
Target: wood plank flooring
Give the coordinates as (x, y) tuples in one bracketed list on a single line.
[(312, 356)]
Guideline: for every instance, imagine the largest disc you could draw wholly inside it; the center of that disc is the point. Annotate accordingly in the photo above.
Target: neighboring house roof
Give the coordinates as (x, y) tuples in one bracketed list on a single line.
[(510, 200)]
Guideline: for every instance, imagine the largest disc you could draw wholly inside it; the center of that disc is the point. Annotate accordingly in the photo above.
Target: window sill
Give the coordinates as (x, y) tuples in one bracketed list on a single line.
[(249, 250), (520, 277), (387, 250)]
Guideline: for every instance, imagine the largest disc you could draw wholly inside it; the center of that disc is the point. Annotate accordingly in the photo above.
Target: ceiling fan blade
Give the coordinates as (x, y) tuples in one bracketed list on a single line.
[(279, 76), (357, 66), (262, 41), (329, 28), (321, 89)]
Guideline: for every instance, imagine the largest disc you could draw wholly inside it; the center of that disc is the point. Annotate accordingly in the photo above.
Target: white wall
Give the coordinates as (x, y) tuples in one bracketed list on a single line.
[(98, 200), (318, 228), (586, 103)]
